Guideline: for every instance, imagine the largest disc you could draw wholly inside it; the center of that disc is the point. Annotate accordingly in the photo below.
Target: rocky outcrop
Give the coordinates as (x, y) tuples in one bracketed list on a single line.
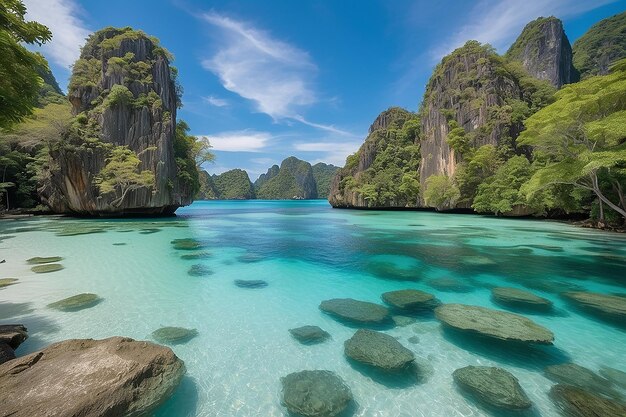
[(581, 377), (606, 306), (493, 324), (410, 300), (516, 298), (576, 402), (233, 185), (355, 311), (105, 378), (315, 393), (602, 45), (123, 94), (11, 337), (309, 335), (207, 191), (323, 175), (294, 180), (545, 52), (378, 350), (493, 386)]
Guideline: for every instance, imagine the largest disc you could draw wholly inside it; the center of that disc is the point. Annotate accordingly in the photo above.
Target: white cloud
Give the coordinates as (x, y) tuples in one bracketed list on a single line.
[(216, 101), (334, 152), (239, 141), (499, 22), (68, 29), (263, 161)]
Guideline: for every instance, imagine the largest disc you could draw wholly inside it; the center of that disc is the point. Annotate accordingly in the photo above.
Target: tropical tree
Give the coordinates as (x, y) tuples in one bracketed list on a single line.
[(19, 78), (581, 138), (441, 192), (121, 175)]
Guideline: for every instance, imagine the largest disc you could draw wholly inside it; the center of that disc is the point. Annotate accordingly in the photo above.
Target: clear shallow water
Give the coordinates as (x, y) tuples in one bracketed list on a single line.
[(308, 252)]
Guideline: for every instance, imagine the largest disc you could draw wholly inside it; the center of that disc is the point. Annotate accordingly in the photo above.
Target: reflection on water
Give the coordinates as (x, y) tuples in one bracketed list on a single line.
[(179, 272)]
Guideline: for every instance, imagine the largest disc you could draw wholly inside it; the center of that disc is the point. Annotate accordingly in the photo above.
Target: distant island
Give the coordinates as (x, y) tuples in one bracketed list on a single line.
[(295, 179)]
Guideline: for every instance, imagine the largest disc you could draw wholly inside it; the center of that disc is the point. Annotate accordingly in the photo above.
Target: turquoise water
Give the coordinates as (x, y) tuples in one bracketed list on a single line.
[(308, 252)]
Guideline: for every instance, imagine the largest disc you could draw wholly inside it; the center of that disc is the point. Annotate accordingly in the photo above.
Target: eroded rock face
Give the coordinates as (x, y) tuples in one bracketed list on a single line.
[(378, 350), (315, 393), (145, 124), (104, 378), (493, 386), (493, 323), (355, 311), (545, 52), (576, 402)]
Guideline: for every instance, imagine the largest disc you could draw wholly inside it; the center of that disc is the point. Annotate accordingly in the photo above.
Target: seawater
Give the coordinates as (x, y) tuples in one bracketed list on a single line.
[(309, 252)]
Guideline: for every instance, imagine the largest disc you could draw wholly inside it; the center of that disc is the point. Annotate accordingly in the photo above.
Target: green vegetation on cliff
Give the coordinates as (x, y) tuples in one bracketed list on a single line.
[(233, 185), (323, 175), (601, 46), (294, 180)]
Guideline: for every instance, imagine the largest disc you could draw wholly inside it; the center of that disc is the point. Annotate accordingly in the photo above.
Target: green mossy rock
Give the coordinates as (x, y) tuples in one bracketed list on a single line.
[(493, 386), (44, 269), (356, 311), (38, 260), (576, 402), (610, 306), (187, 244), (5, 282), (410, 300), (76, 302), (174, 335), (378, 350), (309, 335), (315, 393)]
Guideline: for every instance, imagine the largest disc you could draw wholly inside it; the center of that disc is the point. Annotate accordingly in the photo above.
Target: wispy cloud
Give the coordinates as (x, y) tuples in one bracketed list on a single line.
[(239, 141), (333, 152), (499, 22), (216, 101), (68, 30)]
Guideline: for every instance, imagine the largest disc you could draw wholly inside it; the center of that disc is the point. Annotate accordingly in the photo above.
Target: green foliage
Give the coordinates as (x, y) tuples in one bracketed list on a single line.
[(121, 175), (19, 79), (479, 165), (119, 95), (441, 192), (294, 180), (86, 72), (234, 185), (323, 175), (190, 152), (457, 139), (602, 45), (207, 190)]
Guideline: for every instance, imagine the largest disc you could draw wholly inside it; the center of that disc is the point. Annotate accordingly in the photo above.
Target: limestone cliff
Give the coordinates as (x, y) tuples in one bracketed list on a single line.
[(123, 94), (323, 175), (263, 178), (293, 180), (233, 185), (603, 44), (545, 52)]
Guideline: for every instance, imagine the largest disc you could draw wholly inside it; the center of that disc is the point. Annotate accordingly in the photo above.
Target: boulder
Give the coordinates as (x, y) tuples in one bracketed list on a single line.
[(174, 335), (450, 285), (186, 244), (378, 350), (90, 378), (578, 376), (199, 270), (514, 297), (37, 260), (13, 334), (493, 386), (309, 335), (44, 269), (410, 300), (402, 321), (315, 393), (614, 375), (5, 282), (576, 402), (493, 323), (355, 311), (6, 353), (76, 302), (250, 283), (611, 306)]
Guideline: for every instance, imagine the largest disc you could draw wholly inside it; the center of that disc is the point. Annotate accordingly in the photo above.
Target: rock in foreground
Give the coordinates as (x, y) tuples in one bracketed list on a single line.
[(88, 378), (309, 335), (493, 323), (493, 386), (576, 402), (379, 350), (514, 297), (409, 300), (315, 393), (13, 334), (355, 311)]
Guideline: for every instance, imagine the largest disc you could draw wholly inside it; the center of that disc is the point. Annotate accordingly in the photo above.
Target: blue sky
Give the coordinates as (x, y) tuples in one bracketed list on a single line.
[(268, 79)]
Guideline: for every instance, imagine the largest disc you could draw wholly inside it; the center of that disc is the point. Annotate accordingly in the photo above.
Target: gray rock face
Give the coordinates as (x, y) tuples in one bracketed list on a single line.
[(13, 335), (578, 376), (355, 311), (315, 393), (379, 350), (576, 402), (263, 178), (545, 52), (294, 180), (493, 323), (493, 386), (515, 297), (409, 299), (90, 378), (309, 335), (610, 306), (6, 353), (68, 185)]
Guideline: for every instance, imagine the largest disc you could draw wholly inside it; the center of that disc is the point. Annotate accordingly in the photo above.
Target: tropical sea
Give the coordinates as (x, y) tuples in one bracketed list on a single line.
[(308, 252)]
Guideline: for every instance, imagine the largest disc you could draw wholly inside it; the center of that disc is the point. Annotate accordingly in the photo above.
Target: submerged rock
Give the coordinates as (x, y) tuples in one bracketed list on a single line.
[(355, 310), (199, 270), (414, 339), (493, 386), (309, 335), (196, 255), (379, 350), (174, 335), (249, 258), (514, 297), (611, 306), (578, 376), (410, 299), (389, 270), (576, 402), (186, 244), (402, 321), (13, 335), (250, 283), (76, 302), (450, 285), (104, 378), (43, 260), (493, 323), (44, 269), (315, 393), (5, 282), (614, 375)]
